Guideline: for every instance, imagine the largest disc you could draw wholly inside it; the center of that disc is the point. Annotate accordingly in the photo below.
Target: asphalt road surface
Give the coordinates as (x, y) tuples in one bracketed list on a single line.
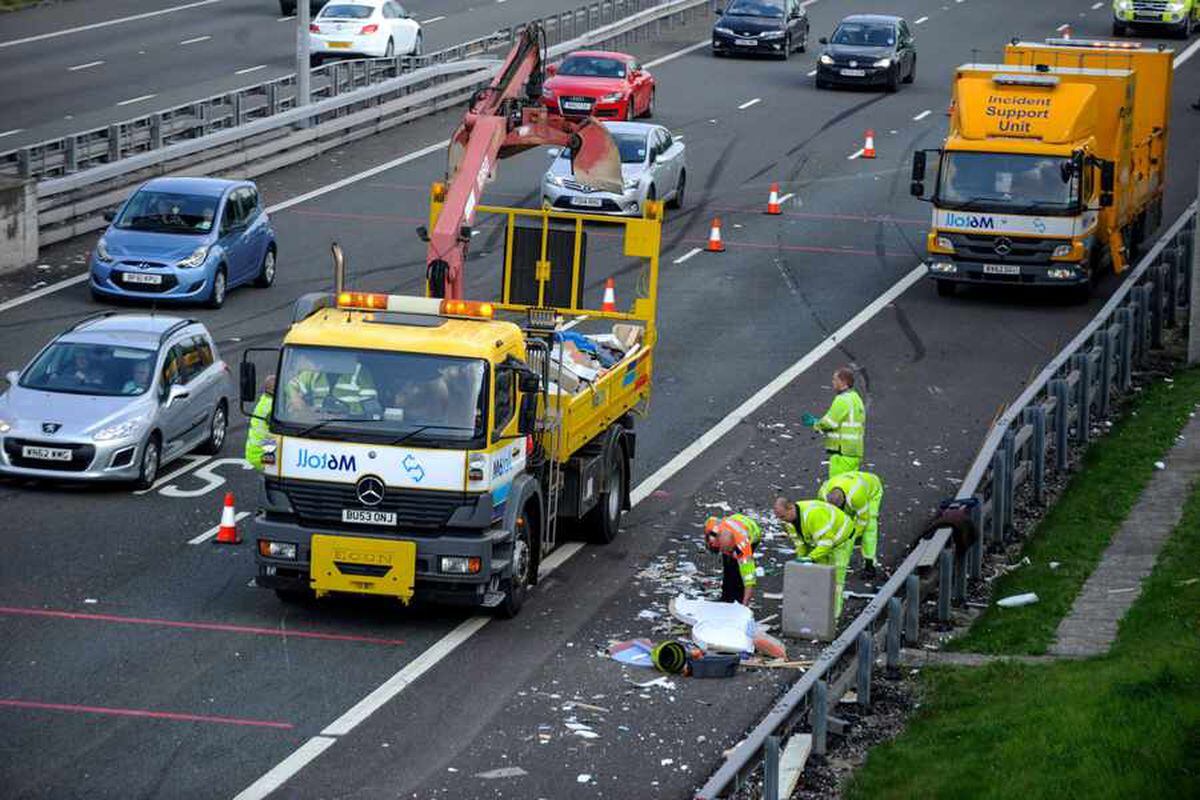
[(134, 664)]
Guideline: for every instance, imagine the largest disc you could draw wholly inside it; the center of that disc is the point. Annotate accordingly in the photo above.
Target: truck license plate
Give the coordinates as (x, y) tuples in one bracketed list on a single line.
[(1001, 269), (367, 516), (587, 202), (854, 73), (148, 278), (46, 453)]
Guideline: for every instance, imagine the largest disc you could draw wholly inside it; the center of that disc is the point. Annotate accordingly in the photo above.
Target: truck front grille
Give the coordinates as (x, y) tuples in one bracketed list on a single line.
[(318, 503), (1003, 249), (1150, 6)]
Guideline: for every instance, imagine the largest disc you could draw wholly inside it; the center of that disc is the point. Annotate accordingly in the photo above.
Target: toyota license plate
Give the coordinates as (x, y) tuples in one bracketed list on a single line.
[(745, 42), (854, 73), (338, 45), (1001, 269), (587, 202), (367, 516), (46, 453), (147, 278)]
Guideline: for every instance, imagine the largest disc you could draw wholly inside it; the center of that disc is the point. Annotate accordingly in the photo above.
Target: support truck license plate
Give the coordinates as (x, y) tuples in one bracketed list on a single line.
[(1001, 269), (854, 73), (147, 278), (46, 453), (587, 202), (363, 566), (366, 516)]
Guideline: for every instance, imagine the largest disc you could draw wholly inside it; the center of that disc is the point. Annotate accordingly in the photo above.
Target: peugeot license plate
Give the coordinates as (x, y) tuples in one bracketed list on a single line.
[(1001, 269), (745, 42), (46, 453), (587, 202), (854, 73), (148, 278), (368, 516)]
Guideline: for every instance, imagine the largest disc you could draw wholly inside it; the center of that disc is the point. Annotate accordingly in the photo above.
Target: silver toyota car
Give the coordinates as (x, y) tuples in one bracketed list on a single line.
[(652, 164), (113, 398)]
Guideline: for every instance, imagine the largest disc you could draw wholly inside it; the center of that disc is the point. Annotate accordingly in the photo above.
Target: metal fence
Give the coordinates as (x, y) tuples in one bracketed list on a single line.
[(109, 143), (1028, 442)]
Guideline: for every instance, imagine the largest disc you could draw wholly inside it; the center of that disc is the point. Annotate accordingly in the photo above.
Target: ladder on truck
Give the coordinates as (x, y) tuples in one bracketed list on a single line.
[(546, 324)]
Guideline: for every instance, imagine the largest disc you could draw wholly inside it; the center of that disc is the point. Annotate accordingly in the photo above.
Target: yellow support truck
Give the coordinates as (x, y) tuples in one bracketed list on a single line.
[(1053, 166), (436, 449)]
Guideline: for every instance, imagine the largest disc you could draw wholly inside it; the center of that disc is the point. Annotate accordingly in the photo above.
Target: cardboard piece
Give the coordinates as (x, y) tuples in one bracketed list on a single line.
[(808, 601)]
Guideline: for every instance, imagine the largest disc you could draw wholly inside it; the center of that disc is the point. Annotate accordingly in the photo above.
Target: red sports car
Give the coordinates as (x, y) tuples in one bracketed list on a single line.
[(600, 84)]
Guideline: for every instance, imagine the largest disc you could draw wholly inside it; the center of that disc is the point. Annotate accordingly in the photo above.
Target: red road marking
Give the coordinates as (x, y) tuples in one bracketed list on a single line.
[(138, 712), (815, 215), (798, 248), (359, 217), (201, 626)]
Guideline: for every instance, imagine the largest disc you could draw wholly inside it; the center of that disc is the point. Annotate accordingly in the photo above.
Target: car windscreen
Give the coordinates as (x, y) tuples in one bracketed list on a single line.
[(381, 395), (593, 67), (1036, 184), (754, 8), (93, 369), (864, 34), (168, 212), (346, 11)]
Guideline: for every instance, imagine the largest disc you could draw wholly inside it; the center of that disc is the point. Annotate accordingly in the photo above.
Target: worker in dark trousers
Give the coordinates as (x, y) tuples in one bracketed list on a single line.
[(734, 537)]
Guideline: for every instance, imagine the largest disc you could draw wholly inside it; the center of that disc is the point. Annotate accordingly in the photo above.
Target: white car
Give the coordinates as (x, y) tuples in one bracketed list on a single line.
[(370, 28)]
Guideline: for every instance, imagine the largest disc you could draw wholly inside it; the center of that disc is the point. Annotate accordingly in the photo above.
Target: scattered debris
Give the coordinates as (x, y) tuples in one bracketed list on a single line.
[(1160, 465), (863, 595), (662, 681), (1055, 565), (90, 600), (583, 777), (501, 772), (1016, 600), (573, 704), (1123, 591)]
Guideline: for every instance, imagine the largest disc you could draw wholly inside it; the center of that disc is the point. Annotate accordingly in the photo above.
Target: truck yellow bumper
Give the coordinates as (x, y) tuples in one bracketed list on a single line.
[(363, 566)]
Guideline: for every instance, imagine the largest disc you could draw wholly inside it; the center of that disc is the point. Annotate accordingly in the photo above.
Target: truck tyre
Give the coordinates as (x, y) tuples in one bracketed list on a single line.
[(516, 588), (604, 521), (945, 288), (295, 597)]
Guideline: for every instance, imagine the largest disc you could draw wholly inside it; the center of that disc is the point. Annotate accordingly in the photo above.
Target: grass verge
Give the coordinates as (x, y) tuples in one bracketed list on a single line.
[(1076, 531), (1124, 725)]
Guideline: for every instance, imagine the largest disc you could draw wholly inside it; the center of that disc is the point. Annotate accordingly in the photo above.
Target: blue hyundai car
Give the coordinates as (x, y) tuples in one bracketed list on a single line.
[(185, 239)]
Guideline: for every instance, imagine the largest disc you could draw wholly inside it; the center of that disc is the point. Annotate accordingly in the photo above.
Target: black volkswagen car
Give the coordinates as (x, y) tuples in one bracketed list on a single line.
[(767, 27), (868, 50)]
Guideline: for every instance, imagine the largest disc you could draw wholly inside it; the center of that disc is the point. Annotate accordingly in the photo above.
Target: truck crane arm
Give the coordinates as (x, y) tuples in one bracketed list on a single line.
[(505, 118)]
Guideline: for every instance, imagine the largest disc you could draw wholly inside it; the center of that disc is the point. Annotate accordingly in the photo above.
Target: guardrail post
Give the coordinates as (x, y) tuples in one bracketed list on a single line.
[(820, 716), (945, 578), (894, 625), (156, 131), (1108, 344), (1010, 488), (1171, 256), (71, 153), (24, 163), (771, 769), (1143, 320), (912, 609), (237, 109), (960, 577), (1156, 306), (866, 659), (975, 553), (114, 142), (1083, 363), (999, 466), (1062, 421), (1125, 354), (1036, 416)]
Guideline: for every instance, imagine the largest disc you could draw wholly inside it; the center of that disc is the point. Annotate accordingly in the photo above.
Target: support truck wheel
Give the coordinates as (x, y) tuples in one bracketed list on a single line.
[(604, 521), (945, 288), (517, 587), (295, 597)]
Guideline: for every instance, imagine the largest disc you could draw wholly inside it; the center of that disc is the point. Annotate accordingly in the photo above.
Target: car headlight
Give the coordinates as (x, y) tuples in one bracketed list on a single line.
[(826, 59), (1175, 6), (5, 426), (102, 252), (554, 180), (771, 35), (1124, 5), (119, 430), (198, 257), (631, 183), (883, 62), (725, 31), (615, 97)]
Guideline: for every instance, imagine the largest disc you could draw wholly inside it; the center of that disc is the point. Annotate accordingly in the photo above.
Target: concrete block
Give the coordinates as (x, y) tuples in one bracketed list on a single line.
[(808, 601), (18, 223)]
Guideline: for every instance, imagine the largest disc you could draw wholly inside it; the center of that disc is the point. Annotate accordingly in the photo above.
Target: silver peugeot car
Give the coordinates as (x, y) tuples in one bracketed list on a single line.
[(113, 398), (652, 164)]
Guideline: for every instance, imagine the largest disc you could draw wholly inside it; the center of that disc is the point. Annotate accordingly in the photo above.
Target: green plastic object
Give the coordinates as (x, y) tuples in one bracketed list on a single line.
[(669, 657)]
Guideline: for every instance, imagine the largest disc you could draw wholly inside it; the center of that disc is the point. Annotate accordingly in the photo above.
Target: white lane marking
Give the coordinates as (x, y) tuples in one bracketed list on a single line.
[(133, 100), (1096, 6), (212, 481), (88, 65), (332, 187), (786, 197), (193, 461), (286, 768), (93, 26), (432, 20), (919, 21), (285, 19), (687, 255), (855, 154), (211, 532), (1186, 54), (250, 69), (759, 398), (196, 40), (811, 72), (574, 322), (922, 115), (1063, 27), (749, 103)]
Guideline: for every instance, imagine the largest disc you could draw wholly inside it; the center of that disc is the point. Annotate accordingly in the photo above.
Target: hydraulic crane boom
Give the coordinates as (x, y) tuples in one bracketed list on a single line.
[(504, 119)]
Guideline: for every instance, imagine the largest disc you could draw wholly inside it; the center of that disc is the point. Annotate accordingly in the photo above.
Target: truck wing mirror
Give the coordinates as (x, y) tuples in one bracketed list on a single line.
[(248, 380), (529, 383), (527, 416), (1107, 176), (918, 167)]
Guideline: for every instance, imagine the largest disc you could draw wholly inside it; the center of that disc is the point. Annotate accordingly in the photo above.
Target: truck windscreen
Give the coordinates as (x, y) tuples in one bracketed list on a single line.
[(1031, 184), (380, 395)]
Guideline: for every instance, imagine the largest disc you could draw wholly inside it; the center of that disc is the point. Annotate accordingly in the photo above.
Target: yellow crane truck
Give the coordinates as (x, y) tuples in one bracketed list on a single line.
[(437, 448), (1052, 170)]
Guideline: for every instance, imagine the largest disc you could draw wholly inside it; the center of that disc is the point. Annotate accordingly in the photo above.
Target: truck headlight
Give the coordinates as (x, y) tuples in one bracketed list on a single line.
[(1175, 6), (1124, 5), (460, 565), (102, 252), (271, 549), (942, 267), (1062, 251), (944, 243), (118, 431), (826, 59), (883, 62), (1060, 274), (198, 257)]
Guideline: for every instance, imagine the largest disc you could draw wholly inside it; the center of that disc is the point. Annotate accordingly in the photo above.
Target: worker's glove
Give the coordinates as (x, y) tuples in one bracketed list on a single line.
[(808, 420)]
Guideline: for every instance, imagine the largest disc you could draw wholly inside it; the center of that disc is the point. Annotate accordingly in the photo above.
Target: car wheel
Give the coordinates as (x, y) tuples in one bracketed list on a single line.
[(629, 109), (677, 200), (803, 48), (787, 49), (945, 288), (148, 468), (649, 112), (605, 519), (216, 296), (390, 50), (218, 426), (266, 272), (822, 83), (517, 586), (893, 81), (912, 72)]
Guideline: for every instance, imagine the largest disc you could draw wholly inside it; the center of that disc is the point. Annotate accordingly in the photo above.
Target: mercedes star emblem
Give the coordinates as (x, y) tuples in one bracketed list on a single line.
[(1003, 246), (369, 490)]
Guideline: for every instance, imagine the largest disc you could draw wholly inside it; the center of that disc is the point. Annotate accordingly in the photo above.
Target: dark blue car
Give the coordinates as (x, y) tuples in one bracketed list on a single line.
[(185, 239)]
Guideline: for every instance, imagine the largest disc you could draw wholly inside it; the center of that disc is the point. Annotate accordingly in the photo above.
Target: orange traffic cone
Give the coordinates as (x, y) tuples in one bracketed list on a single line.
[(610, 296), (228, 532), (869, 144), (773, 200), (715, 245)]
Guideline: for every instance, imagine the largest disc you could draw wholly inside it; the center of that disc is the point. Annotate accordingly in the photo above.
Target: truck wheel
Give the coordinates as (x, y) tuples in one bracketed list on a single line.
[(604, 521), (945, 288), (295, 596), (517, 587)]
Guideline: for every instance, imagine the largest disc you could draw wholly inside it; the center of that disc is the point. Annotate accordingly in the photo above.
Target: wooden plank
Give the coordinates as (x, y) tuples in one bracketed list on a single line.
[(792, 761)]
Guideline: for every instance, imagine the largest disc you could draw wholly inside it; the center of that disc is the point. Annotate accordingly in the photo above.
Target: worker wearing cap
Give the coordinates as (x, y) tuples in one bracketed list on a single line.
[(844, 424), (859, 494), (735, 537), (821, 534), (259, 431)]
